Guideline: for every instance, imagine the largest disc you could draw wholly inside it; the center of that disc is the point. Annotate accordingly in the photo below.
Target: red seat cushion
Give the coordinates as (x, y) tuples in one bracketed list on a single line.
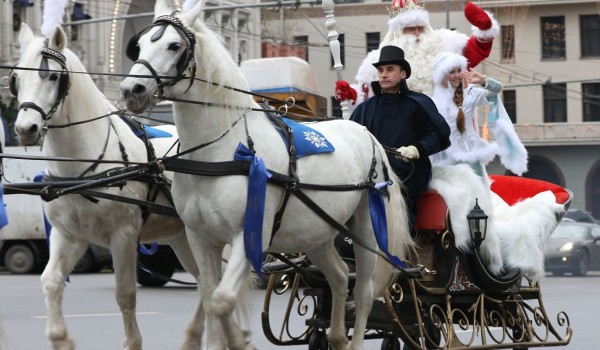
[(514, 189), (431, 211)]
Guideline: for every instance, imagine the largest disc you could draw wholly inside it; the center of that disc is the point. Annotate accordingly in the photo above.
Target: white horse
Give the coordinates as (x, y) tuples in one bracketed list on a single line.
[(213, 207), (51, 98)]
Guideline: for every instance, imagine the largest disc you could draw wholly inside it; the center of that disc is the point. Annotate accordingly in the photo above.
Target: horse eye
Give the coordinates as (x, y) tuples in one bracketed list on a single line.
[(174, 46), (54, 77)]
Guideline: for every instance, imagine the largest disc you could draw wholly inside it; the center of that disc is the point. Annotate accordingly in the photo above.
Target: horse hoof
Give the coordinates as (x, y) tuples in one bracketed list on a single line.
[(65, 344)]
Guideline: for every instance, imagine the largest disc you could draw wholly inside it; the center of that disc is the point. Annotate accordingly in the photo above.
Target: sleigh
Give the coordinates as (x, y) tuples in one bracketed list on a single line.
[(454, 303)]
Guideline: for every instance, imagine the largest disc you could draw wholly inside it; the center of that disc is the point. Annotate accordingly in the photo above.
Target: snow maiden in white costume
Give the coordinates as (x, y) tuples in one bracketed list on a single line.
[(421, 49), (517, 230), (458, 105)]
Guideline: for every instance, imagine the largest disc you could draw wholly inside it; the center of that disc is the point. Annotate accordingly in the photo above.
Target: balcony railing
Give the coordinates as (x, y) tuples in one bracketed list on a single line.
[(559, 134)]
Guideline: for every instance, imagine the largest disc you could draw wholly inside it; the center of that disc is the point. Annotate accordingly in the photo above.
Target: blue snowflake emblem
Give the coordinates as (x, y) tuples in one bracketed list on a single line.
[(316, 139)]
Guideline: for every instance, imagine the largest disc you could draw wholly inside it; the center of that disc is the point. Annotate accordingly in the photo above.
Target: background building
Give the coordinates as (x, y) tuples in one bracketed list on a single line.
[(547, 56)]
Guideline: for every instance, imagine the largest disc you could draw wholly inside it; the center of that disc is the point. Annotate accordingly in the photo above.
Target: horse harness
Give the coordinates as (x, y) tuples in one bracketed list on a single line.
[(44, 71), (290, 181), (185, 60), (157, 183)]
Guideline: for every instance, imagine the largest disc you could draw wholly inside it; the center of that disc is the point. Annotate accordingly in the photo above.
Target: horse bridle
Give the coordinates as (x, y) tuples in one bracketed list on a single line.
[(185, 60), (44, 71)]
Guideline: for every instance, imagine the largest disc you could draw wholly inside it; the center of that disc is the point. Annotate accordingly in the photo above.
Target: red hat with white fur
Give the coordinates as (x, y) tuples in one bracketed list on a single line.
[(407, 13)]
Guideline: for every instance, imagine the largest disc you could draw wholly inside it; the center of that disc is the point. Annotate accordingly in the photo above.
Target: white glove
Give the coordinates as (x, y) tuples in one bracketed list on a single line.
[(408, 152)]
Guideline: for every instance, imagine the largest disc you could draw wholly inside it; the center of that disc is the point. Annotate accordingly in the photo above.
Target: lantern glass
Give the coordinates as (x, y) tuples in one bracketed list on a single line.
[(477, 224)]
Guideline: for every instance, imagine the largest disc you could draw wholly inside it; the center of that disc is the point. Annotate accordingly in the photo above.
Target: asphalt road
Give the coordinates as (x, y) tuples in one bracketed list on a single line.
[(94, 320)]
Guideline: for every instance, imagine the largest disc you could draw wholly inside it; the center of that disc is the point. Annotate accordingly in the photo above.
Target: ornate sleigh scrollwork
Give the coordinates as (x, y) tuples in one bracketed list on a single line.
[(463, 315), (460, 306), (285, 288)]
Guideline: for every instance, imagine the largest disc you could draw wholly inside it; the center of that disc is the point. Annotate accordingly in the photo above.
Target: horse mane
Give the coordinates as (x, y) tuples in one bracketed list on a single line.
[(88, 97), (219, 67)]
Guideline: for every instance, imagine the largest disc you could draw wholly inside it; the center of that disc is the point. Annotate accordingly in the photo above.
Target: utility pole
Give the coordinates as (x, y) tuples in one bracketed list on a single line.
[(447, 14)]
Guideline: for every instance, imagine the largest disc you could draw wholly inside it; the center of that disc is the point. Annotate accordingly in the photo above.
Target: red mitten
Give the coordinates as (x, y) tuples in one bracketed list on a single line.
[(477, 16), (343, 91)]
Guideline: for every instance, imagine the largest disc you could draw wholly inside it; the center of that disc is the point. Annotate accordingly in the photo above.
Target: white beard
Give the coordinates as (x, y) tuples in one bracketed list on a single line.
[(419, 52)]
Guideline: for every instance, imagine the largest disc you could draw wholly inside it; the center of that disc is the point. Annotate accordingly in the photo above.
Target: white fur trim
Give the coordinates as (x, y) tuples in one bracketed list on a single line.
[(459, 186), (444, 62), (516, 234), (487, 34), (410, 18), (524, 229)]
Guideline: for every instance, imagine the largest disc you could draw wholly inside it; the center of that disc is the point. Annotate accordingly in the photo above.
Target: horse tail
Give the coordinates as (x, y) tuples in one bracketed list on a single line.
[(244, 308), (400, 242)]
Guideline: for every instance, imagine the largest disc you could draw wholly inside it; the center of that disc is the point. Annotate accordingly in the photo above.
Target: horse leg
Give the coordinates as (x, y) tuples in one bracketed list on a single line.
[(364, 285), (64, 254), (124, 262), (227, 295), (336, 272), (195, 329), (208, 260), (184, 253)]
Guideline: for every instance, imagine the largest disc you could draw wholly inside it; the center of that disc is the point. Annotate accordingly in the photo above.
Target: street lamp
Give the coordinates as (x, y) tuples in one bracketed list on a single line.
[(477, 224)]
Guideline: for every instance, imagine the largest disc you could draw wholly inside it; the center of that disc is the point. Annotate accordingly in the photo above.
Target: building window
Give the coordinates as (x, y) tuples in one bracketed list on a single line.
[(225, 20), (508, 44), (555, 103), (342, 50), (372, 41), (242, 52), (16, 22), (553, 37), (509, 98), (590, 35), (301, 44), (591, 102), (336, 107)]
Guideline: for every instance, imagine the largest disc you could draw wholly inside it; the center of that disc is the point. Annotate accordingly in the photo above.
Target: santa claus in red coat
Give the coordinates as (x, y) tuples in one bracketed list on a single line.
[(409, 29)]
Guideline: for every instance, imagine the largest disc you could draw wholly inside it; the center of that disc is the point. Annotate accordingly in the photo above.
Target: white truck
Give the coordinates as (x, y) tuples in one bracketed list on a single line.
[(23, 247)]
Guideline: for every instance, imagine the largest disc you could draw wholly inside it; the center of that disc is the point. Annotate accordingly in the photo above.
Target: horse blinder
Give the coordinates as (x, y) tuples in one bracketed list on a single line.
[(133, 49), (12, 84)]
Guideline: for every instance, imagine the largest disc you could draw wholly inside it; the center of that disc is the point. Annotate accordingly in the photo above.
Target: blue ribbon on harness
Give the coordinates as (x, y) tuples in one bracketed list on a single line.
[(3, 216), (255, 206), (379, 221), (152, 132)]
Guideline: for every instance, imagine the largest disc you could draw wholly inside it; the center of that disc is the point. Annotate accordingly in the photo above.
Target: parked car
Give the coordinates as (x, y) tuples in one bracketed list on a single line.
[(580, 216), (573, 247)]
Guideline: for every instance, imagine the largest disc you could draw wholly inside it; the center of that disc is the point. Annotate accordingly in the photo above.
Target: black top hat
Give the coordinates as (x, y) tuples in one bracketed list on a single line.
[(393, 55)]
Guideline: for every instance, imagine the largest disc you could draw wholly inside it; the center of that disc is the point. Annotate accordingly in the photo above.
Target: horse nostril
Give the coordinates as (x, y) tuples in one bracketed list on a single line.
[(33, 129), (138, 89)]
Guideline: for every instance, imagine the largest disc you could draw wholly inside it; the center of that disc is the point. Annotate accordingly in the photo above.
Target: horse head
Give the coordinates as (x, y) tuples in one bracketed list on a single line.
[(40, 81), (162, 53)]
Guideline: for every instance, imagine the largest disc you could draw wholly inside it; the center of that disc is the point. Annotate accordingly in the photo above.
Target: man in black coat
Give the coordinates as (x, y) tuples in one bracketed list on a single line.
[(406, 120)]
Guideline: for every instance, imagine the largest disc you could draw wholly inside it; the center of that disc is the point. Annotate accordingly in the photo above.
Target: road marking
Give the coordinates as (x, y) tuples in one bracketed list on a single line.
[(100, 315)]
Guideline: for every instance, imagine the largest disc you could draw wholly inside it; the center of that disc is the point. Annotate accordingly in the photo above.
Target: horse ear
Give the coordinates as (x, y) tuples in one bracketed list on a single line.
[(25, 35), (194, 12), (163, 7), (58, 40)]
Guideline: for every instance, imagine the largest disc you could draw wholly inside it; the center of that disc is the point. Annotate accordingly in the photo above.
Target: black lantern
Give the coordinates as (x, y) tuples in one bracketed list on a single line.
[(477, 224)]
